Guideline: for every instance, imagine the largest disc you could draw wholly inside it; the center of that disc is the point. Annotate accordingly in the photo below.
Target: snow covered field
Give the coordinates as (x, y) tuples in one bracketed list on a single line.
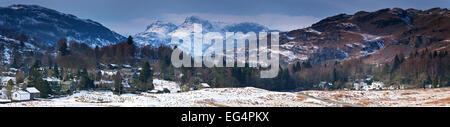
[(390, 98), (249, 96)]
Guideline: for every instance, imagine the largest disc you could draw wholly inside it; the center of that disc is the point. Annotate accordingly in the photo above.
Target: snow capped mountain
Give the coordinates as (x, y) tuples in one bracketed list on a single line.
[(206, 25), (156, 34), (160, 33), (47, 26), (161, 27), (375, 36)]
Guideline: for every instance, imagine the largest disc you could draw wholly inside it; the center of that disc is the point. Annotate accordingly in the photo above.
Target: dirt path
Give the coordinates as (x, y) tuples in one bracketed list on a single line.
[(330, 101)]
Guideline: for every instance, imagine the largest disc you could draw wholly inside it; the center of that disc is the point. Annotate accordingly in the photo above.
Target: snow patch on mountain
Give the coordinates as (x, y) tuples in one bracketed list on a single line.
[(368, 37), (6, 56), (372, 43), (9, 45), (311, 30), (3, 38)]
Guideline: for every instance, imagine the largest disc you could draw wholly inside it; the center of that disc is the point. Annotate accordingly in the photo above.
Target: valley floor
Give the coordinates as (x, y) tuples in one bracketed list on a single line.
[(249, 97)]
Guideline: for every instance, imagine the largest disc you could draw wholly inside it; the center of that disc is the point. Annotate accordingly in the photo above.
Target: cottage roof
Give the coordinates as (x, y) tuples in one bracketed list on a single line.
[(204, 85), (6, 79), (126, 66), (12, 69), (106, 81), (21, 92), (32, 90), (51, 79), (108, 72)]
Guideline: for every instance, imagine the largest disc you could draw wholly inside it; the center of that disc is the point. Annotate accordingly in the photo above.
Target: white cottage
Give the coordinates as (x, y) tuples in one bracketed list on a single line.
[(3, 94), (160, 85), (4, 80), (34, 93), (377, 85), (366, 87), (52, 80), (108, 73), (20, 95)]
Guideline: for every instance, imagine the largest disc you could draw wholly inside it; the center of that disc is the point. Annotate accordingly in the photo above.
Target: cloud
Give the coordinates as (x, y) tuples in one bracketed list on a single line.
[(141, 20), (273, 21), (129, 27)]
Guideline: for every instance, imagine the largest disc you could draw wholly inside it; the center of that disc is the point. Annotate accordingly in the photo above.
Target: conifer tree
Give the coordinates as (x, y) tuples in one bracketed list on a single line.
[(85, 82), (56, 71), (62, 47), (118, 87), (36, 80), (9, 88), (145, 78), (130, 40)]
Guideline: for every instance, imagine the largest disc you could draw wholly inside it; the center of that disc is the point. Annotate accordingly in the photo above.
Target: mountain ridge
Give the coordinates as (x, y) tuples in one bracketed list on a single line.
[(158, 37), (48, 26), (375, 36)]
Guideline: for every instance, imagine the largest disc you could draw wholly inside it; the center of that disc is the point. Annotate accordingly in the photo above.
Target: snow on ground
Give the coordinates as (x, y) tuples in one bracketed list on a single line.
[(248, 97), (160, 85), (215, 97), (391, 98), (368, 37), (313, 31)]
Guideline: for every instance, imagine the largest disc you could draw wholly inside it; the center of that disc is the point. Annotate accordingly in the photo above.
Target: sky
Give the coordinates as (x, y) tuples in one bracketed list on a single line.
[(128, 17)]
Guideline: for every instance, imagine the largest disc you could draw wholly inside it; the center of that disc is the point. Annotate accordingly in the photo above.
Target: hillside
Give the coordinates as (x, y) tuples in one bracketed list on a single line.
[(47, 26), (376, 36)]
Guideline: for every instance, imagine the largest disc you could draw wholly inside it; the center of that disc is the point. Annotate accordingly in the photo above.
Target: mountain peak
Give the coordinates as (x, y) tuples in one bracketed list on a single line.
[(160, 27), (194, 19)]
